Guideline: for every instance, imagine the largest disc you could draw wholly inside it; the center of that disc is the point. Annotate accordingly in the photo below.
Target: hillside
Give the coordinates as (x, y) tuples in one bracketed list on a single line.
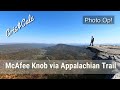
[(68, 52), (54, 52), (42, 52)]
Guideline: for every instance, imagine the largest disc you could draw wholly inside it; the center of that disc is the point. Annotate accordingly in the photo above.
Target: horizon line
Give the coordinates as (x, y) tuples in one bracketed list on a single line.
[(57, 43)]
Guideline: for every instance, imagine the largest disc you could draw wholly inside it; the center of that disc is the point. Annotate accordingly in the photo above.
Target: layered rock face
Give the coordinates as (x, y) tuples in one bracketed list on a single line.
[(105, 52)]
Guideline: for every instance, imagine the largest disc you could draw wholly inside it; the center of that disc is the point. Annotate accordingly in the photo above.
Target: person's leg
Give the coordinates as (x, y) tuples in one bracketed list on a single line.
[(92, 43)]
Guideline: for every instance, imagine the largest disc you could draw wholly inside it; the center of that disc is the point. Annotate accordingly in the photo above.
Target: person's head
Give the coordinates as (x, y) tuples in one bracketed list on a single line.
[(92, 36)]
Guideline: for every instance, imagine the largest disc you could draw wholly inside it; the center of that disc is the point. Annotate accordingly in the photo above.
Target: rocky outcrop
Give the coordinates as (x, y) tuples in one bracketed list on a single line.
[(105, 52)]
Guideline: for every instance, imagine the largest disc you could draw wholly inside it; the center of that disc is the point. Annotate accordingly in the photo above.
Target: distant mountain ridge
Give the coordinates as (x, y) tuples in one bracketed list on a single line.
[(16, 47), (68, 52), (63, 46), (51, 51), (25, 45)]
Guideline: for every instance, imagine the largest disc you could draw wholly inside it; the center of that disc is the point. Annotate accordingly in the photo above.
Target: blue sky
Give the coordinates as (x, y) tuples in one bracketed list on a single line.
[(59, 27)]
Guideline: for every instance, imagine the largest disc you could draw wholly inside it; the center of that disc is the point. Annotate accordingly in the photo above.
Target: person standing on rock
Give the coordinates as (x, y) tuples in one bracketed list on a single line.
[(92, 40)]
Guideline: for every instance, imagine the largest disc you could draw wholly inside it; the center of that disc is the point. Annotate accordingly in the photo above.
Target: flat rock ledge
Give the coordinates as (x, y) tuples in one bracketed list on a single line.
[(107, 52)]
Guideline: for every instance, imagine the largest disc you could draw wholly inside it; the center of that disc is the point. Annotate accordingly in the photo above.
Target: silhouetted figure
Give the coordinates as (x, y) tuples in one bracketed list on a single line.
[(92, 40)]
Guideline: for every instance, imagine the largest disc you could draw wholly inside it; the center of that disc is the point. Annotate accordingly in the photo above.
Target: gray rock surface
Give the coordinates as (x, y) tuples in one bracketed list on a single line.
[(116, 76), (108, 52)]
